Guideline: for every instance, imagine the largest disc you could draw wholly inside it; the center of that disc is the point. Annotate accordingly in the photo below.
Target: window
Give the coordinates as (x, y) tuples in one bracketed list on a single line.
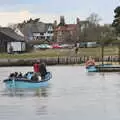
[(48, 37), (41, 33), (42, 37), (50, 32)]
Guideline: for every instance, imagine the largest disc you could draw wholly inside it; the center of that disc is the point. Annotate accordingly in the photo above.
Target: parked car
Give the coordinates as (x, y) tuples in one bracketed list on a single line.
[(56, 46), (43, 46), (69, 46)]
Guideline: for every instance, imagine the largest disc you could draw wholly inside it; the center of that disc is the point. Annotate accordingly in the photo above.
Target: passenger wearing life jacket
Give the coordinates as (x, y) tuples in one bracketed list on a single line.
[(40, 69), (36, 67), (90, 62)]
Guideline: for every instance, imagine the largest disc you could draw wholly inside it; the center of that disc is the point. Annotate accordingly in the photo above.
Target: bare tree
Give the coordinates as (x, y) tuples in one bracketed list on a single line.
[(12, 26), (94, 18)]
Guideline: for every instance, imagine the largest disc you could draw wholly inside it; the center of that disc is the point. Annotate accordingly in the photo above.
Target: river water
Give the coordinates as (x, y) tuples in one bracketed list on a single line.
[(72, 94)]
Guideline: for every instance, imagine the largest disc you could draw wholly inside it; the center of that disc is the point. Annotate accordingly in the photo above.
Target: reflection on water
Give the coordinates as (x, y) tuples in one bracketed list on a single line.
[(39, 92), (72, 94), (90, 73)]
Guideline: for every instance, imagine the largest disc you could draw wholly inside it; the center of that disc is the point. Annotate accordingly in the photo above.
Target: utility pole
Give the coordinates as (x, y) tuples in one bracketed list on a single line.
[(102, 48), (102, 54), (119, 54)]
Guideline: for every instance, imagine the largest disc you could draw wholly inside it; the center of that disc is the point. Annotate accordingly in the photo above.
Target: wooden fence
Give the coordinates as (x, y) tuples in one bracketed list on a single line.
[(54, 61)]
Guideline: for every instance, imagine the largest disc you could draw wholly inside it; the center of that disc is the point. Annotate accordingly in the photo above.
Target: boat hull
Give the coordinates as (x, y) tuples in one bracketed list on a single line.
[(91, 69), (22, 83), (104, 68)]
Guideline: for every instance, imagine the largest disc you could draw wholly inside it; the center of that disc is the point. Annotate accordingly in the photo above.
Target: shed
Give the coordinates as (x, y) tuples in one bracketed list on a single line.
[(8, 38)]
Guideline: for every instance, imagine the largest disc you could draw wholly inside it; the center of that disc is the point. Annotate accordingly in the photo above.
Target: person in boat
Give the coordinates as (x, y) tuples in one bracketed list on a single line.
[(34, 77), (20, 75), (43, 70), (36, 67), (90, 62), (13, 75)]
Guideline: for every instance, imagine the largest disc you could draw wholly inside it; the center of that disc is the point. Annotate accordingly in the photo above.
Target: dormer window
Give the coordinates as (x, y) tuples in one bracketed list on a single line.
[(50, 28)]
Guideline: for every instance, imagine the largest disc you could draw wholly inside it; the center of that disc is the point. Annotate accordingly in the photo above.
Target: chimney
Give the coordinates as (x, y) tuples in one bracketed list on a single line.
[(62, 20), (78, 20), (55, 24)]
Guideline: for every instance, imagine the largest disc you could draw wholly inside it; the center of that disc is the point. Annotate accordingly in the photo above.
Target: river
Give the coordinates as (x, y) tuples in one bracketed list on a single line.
[(72, 94)]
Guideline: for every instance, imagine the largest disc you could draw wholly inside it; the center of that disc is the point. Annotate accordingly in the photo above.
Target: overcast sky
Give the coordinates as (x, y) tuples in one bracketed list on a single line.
[(14, 11)]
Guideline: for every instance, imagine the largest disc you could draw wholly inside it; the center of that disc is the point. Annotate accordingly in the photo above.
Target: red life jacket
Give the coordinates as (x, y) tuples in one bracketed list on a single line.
[(36, 67)]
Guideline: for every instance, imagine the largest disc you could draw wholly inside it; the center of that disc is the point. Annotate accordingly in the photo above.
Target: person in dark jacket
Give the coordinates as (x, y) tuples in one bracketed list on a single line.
[(43, 70)]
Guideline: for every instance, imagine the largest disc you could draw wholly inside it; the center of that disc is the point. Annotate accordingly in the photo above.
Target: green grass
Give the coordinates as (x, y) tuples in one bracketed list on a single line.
[(62, 52)]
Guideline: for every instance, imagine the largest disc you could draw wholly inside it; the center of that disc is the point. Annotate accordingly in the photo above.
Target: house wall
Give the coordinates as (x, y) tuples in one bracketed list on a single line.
[(47, 35), (3, 42), (16, 47)]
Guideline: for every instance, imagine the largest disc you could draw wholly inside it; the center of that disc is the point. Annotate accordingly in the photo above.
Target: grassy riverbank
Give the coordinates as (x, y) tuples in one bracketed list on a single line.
[(96, 52)]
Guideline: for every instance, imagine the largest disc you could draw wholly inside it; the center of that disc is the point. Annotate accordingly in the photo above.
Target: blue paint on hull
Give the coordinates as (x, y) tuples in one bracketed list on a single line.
[(18, 83), (95, 69), (23, 85), (91, 69)]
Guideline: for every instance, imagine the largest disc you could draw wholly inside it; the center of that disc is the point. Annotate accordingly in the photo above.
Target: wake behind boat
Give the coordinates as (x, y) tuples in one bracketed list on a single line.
[(27, 82)]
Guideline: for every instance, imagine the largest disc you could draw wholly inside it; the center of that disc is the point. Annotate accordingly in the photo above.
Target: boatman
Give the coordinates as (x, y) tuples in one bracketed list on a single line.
[(43, 70), (90, 62)]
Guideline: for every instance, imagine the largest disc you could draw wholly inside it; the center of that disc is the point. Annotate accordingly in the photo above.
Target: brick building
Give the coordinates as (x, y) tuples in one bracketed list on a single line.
[(67, 33)]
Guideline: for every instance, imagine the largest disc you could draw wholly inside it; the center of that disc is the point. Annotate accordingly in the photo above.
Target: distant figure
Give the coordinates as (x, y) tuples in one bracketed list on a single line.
[(36, 67), (11, 49), (90, 62), (76, 50), (43, 70)]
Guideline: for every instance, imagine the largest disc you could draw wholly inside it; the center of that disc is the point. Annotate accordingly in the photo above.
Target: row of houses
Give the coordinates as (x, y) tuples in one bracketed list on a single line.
[(60, 33), (38, 31), (17, 37)]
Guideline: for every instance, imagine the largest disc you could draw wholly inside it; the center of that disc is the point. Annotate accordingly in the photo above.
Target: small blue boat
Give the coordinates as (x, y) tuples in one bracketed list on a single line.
[(91, 69), (19, 83), (97, 67)]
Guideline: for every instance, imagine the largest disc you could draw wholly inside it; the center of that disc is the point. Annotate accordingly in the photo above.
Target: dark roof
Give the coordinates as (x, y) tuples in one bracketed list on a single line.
[(9, 32), (39, 27), (67, 27), (30, 28), (26, 30)]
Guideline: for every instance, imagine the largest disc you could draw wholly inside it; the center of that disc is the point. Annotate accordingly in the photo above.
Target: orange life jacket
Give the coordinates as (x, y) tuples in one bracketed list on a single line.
[(90, 63)]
